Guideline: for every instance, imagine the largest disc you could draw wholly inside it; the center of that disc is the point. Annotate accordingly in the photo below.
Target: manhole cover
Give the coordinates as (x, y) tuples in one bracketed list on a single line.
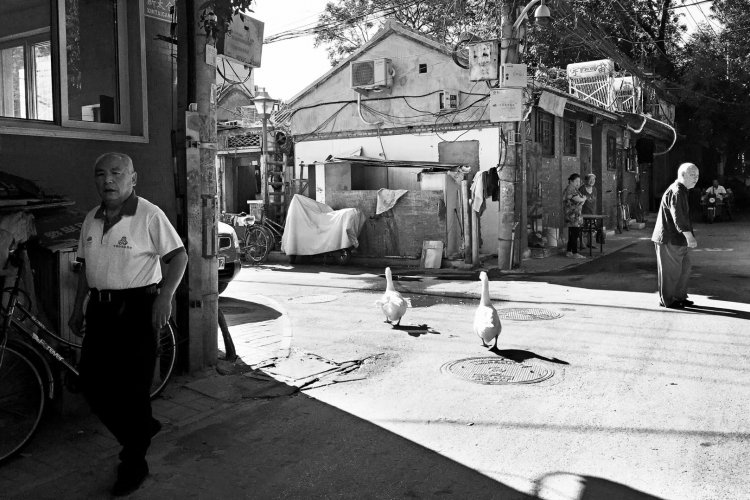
[(497, 371), (313, 299), (526, 314)]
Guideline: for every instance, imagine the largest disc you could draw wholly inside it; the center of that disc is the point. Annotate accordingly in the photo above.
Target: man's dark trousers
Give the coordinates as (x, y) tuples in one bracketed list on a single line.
[(117, 364), (673, 265)]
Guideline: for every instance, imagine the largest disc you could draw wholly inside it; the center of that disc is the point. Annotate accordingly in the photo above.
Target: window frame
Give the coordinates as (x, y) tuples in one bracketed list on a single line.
[(542, 118), (570, 144), (132, 94), (611, 151), (27, 40)]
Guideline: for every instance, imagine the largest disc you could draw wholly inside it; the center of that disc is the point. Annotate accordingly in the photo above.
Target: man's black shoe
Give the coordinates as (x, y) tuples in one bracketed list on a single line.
[(130, 477), (686, 302)]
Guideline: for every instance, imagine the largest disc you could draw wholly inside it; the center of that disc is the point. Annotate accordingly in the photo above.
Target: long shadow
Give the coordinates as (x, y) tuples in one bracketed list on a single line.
[(239, 312), (520, 355), (719, 311)]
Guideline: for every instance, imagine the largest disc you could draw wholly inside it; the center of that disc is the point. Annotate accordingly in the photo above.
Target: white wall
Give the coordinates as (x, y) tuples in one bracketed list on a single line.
[(416, 147)]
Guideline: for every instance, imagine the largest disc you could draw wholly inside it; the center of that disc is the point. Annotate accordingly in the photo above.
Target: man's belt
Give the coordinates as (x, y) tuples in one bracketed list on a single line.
[(105, 296)]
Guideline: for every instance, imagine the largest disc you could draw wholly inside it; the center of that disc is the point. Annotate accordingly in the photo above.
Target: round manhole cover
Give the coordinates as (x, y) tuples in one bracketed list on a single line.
[(313, 299), (527, 314), (497, 371)]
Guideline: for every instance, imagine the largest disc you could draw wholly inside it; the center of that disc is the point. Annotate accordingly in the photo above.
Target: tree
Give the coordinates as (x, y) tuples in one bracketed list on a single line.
[(641, 30), (715, 75)]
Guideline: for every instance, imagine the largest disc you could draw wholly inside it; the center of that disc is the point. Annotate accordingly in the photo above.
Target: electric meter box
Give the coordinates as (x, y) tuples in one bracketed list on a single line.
[(483, 61), (513, 76), (448, 100)]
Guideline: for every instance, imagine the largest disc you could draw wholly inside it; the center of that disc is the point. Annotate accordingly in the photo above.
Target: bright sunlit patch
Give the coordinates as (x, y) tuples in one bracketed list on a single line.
[(713, 249)]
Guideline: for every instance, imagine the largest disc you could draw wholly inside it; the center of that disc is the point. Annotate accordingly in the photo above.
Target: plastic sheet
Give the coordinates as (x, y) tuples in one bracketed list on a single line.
[(313, 228)]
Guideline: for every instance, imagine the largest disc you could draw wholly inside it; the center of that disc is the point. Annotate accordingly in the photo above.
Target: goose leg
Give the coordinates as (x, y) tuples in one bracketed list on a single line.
[(495, 348)]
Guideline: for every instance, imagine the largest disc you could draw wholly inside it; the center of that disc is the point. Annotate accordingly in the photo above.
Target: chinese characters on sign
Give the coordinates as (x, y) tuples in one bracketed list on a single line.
[(159, 9)]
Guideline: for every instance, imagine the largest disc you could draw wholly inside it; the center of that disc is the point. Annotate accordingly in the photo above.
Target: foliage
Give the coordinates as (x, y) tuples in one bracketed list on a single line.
[(224, 10), (715, 73), (643, 30)]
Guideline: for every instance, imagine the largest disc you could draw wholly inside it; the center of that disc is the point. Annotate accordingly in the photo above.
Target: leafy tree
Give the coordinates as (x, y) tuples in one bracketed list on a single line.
[(715, 80)]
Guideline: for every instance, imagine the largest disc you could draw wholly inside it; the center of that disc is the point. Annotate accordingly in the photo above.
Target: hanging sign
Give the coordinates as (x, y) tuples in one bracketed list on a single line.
[(506, 105), (159, 9)]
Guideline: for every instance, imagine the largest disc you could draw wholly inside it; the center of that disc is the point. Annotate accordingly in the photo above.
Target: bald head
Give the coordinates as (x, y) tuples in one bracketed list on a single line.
[(687, 175), (115, 178), (120, 159)]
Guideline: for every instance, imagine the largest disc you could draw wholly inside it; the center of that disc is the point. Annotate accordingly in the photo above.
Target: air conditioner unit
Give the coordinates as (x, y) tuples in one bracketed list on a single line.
[(371, 75), (448, 100)]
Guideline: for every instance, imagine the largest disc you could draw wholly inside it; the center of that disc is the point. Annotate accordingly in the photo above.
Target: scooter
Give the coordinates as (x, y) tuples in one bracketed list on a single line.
[(711, 208)]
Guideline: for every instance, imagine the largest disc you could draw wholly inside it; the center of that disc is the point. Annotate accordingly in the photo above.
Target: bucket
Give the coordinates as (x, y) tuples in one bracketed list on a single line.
[(551, 233)]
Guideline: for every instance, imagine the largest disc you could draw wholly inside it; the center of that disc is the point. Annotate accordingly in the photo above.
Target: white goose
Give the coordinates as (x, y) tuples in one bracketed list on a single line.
[(486, 321), (392, 303)]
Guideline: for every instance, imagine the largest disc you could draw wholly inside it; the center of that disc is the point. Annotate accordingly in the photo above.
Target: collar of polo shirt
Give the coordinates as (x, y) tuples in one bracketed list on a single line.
[(129, 207)]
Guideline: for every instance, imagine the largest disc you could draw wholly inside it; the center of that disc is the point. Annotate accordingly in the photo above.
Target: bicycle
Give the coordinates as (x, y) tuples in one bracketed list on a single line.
[(27, 348), (260, 238), (623, 213)]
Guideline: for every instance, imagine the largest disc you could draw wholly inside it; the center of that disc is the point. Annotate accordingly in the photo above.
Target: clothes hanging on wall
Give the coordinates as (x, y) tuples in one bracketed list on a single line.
[(478, 192), (492, 184)]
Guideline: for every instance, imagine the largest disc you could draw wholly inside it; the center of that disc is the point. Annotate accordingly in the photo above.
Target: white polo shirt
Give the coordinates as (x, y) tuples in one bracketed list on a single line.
[(127, 254)]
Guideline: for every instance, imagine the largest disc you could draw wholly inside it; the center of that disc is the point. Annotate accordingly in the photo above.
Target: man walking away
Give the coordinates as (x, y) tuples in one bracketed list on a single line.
[(121, 244), (673, 238)]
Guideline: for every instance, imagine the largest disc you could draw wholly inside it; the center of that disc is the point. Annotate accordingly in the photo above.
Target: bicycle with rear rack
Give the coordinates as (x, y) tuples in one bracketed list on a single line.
[(261, 236), (28, 353)]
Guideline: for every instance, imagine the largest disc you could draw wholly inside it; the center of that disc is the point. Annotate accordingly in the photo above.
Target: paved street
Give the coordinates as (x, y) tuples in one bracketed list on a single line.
[(643, 402)]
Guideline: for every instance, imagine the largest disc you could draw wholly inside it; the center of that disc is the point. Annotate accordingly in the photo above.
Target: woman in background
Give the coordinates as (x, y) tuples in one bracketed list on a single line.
[(572, 203), (589, 206)]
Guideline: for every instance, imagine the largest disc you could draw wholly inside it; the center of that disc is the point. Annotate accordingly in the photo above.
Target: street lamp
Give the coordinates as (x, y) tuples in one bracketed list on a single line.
[(264, 105), (542, 14)]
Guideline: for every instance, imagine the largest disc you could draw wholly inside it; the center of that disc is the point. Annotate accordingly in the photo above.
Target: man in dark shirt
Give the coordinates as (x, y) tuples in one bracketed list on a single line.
[(673, 238)]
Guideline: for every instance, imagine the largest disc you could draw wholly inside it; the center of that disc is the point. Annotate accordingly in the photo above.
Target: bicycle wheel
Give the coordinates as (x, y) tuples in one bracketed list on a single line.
[(271, 237), (166, 354), (21, 401), (257, 245)]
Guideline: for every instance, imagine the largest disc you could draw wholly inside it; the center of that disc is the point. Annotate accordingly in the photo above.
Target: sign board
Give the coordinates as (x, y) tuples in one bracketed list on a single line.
[(552, 103), (588, 69), (506, 105), (513, 76), (244, 42), (159, 9), (483, 60)]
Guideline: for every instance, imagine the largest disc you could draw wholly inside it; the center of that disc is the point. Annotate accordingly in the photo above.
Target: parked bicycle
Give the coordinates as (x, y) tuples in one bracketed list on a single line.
[(29, 351), (261, 236)]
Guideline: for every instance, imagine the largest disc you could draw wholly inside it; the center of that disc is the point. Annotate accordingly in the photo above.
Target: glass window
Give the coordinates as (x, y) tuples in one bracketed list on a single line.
[(611, 152), (91, 37), (570, 136), (545, 132), (73, 73)]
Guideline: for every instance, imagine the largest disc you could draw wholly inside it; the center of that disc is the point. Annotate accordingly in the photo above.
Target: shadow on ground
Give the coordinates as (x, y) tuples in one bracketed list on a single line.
[(239, 312)]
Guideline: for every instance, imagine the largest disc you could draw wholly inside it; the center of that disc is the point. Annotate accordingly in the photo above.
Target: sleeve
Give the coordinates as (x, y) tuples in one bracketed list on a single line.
[(164, 237), (80, 256), (680, 211)]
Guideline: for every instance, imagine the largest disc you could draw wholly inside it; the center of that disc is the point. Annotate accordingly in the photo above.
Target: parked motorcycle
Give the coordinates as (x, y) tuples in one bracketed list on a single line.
[(712, 207)]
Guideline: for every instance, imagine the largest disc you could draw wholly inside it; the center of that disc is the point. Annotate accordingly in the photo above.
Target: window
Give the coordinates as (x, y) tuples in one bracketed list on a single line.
[(65, 62), (570, 138), (545, 132), (423, 68), (611, 152)]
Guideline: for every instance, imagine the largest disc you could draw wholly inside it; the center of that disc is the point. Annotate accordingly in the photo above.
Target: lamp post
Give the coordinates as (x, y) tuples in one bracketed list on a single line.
[(264, 105), (509, 55)]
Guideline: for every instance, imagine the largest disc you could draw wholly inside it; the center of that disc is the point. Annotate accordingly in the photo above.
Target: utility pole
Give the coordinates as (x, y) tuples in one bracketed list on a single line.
[(508, 171), (201, 194)]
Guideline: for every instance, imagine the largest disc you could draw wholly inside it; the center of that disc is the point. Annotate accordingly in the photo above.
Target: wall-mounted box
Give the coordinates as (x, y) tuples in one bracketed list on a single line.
[(483, 61), (513, 76)]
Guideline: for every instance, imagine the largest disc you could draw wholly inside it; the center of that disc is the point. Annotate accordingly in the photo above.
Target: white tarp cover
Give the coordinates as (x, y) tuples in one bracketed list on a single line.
[(313, 228)]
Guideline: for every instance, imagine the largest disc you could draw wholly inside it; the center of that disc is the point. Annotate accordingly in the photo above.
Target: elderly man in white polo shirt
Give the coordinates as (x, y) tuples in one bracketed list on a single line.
[(122, 242)]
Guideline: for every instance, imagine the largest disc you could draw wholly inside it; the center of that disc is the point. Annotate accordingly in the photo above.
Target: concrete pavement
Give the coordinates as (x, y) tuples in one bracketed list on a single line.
[(630, 413)]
